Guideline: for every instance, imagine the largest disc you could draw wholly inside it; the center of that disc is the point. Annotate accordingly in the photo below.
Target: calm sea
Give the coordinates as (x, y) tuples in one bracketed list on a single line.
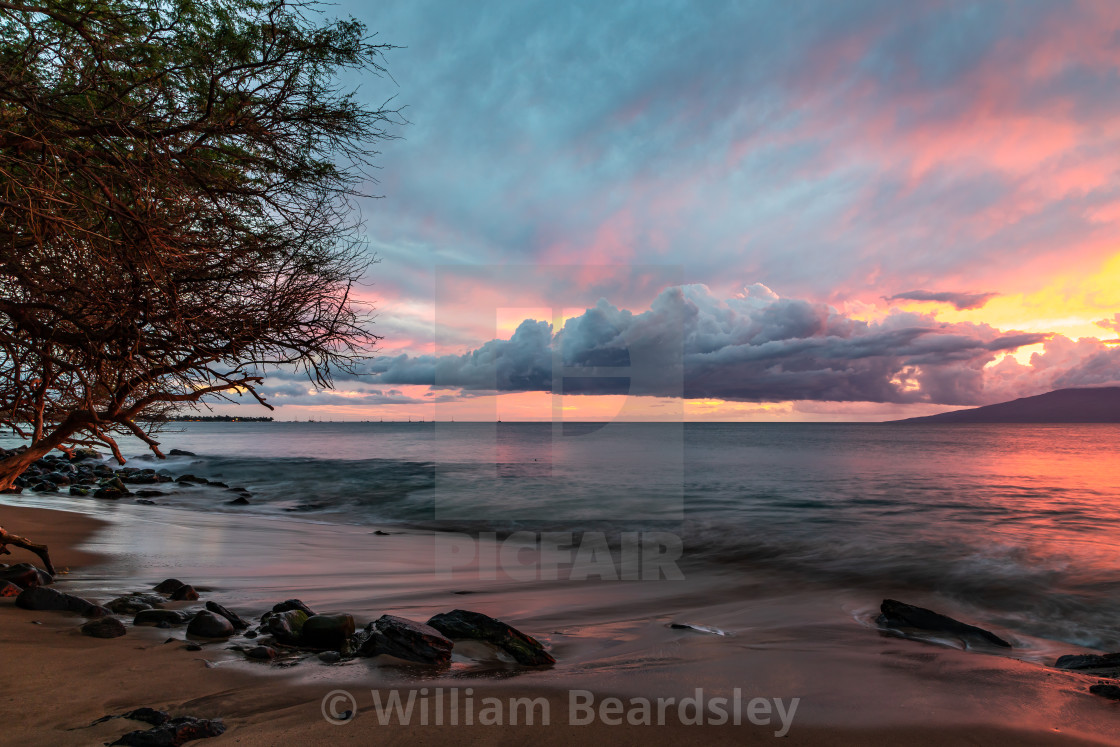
[(1022, 521)]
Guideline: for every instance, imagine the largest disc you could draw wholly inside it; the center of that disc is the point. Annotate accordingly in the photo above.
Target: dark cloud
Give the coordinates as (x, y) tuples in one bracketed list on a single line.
[(961, 301), (751, 348)]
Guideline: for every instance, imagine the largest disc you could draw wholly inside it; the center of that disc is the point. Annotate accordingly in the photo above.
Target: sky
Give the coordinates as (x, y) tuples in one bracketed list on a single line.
[(749, 210)]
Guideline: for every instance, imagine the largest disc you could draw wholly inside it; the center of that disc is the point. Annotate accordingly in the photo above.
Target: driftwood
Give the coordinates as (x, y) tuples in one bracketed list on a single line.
[(41, 550)]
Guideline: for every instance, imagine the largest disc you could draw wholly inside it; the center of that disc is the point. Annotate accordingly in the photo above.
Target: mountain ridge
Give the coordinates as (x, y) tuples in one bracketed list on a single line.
[(1076, 405)]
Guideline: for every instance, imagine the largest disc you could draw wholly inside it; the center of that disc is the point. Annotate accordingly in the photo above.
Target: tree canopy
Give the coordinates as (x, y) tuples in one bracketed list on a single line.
[(177, 184)]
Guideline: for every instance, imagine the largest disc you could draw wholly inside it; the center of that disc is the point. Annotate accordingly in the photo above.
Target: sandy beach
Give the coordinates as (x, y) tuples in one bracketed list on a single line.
[(854, 685)]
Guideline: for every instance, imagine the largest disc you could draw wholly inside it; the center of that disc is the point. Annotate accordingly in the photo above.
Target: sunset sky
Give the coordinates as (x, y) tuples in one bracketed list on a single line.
[(765, 211)]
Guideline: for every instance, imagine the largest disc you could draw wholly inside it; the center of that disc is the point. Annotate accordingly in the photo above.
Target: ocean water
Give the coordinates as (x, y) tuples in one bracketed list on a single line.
[(1019, 522)]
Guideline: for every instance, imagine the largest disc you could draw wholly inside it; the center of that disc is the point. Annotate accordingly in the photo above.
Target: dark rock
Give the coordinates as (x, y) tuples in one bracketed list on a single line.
[(239, 501), (185, 593), (292, 604), (148, 716), (134, 603), (208, 625), (287, 626), (174, 733), (14, 490), (8, 589), (234, 619), (57, 478), (83, 453), (145, 502), (216, 484), (405, 639), (110, 493), (160, 618), (190, 479), (1088, 661), (380, 533), (251, 634), (327, 631), (144, 477), (466, 625), (330, 657), (42, 598), (1112, 692), (168, 585), (261, 652), (79, 490), (181, 452), (105, 627), (149, 493), (901, 615), (45, 487), (26, 575), (193, 647)]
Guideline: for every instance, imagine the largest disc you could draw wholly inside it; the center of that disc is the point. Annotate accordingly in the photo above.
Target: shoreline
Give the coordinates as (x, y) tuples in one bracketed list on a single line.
[(610, 639)]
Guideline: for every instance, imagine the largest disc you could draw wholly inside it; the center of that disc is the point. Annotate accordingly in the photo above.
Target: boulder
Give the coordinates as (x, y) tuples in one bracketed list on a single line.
[(1112, 692), (208, 625), (287, 626), (901, 616), (134, 603), (105, 627), (190, 479), (405, 639), (1088, 661), (79, 490), (83, 453), (327, 631), (42, 598), (166, 618), (239, 501), (292, 604), (168, 585), (330, 657), (25, 575), (176, 732), (185, 593), (264, 653), (235, 619), (181, 452), (8, 589), (466, 625)]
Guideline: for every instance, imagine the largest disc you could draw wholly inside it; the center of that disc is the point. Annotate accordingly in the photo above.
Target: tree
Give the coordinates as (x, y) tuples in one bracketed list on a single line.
[(176, 209)]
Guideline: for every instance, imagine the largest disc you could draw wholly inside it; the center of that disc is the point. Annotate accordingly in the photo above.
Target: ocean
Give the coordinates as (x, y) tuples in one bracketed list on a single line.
[(1016, 523)]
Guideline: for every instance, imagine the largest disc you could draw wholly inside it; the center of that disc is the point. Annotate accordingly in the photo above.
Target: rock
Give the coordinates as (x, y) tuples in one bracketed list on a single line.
[(79, 490), (330, 657), (265, 653), (149, 493), (1088, 661), (148, 716), (901, 615), (45, 487), (185, 593), (193, 647), (327, 631), (133, 603), (105, 627), (57, 478), (83, 453), (251, 634), (405, 639), (145, 502), (216, 484), (466, 625), (292, 604), (8, 589), (26, 575), (168, 585), (287, 626), (143, 477), (190, 479), (235, 619), (164, 618), (42, 598), (176, 732), (239, 501), (208, 625), (109, 493), (181, 452), (1112, 692)]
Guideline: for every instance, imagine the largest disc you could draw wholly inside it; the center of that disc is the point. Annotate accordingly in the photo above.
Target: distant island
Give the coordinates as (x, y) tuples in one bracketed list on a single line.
[(1095, 405)]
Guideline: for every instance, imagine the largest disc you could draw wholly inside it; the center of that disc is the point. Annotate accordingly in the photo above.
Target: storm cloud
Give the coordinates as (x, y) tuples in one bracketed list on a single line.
[(753, 347)]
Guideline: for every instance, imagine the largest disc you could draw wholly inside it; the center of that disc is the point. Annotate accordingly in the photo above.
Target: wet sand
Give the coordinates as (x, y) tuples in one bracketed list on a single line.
[(855, 685)]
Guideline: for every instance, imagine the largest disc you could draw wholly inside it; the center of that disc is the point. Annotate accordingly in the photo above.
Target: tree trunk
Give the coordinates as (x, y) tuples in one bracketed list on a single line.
[(40, 550), (13, 466)]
